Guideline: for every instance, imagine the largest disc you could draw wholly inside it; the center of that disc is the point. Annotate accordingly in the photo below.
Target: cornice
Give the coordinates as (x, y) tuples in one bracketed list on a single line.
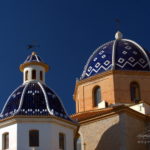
[(22, 66), (92, 78), (38, 119)]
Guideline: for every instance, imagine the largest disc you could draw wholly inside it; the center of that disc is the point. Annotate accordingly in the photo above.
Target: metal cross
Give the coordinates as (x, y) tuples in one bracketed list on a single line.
[(33, 46)]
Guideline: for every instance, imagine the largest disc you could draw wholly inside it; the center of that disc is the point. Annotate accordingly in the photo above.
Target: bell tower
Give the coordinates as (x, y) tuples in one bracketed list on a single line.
[(118, 72)]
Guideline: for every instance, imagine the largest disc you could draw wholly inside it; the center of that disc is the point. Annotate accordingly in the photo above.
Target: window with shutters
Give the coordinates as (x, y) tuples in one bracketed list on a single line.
[(135, 92), (5, 140), (33, 138), (96, 96), (62, 141)]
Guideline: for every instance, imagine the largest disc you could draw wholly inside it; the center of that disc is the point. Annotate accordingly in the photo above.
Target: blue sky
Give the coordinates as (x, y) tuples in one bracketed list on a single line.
[(68, 32)]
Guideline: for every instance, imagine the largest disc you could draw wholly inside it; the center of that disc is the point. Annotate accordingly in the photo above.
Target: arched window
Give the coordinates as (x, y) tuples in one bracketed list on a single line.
[(26, 75), (33, 74), (34, 138), (96, 96), (5, 140), (41, 75), (62, 141), (135, 91)]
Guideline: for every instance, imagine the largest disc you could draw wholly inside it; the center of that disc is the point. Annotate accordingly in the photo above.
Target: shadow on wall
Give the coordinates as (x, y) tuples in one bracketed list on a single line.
[(110, 139), (121, 136)]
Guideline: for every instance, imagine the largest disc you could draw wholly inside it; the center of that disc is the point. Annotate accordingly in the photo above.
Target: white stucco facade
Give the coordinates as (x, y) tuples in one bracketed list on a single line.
[(12, 130), (141, 108), (49, 129)]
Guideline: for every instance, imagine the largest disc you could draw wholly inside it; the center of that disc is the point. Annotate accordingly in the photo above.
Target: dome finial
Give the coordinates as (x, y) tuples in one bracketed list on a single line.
[(33, 53), (118, 35)]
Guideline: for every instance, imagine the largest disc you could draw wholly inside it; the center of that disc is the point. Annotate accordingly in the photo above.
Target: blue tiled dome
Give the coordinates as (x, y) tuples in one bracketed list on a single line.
[(33, 99), (120, 54)]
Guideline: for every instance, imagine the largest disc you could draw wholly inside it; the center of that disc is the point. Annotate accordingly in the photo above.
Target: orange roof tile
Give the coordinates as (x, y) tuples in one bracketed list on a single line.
[(83, 116)]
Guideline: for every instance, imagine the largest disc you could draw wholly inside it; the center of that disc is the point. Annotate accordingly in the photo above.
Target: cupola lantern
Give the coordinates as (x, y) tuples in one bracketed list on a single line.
[(34, 69)]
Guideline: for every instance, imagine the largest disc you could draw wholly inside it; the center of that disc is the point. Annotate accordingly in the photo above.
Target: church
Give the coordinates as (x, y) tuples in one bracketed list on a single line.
[(112, 99)]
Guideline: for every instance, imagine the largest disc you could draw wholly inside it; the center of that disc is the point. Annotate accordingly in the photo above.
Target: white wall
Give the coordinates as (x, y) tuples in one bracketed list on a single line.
[(102, 104), (48, 133), (12, 130), (69, 138), (142, 108), (49, 129)]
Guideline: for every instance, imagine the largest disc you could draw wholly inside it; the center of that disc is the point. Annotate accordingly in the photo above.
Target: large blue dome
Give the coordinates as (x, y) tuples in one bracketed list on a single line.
[(120, 54), (33, 99)]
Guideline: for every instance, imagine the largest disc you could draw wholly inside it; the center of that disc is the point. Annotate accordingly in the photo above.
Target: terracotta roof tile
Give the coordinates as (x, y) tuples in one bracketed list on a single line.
[(94, 113)]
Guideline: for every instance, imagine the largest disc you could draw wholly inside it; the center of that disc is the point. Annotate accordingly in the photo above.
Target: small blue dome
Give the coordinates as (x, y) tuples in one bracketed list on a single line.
[(120, 54), (33, 99), (33, 58)]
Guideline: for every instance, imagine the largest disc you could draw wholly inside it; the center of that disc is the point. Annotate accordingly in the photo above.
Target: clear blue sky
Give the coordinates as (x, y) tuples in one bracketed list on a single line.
[(68, 31)]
